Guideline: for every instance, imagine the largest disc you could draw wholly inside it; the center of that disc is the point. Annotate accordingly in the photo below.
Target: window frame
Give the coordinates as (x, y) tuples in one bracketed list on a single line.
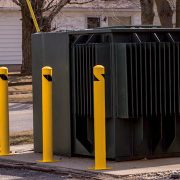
[(98, 17)]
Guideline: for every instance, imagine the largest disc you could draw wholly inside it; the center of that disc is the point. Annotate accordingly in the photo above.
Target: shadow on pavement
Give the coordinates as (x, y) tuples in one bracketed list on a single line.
[(20, 106)]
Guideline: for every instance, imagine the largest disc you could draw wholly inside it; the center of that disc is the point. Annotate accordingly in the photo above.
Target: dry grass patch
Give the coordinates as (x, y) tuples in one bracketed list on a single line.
[(19, 138), (19, 79), (20, 94)]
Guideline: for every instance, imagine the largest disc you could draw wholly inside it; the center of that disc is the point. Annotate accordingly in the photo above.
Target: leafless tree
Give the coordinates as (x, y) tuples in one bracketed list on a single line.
[(164, 9), (165, 12), (177, 13), (45, 12), (147, 12)]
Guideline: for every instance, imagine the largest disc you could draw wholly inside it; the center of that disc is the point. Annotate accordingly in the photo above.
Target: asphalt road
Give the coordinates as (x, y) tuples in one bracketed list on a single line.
[(20, 117), (12, 174)]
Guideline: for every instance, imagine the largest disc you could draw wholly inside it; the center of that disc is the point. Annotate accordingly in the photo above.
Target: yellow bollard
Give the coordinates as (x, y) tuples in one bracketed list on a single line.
[(47, 115), (99, 118), (4, 113)]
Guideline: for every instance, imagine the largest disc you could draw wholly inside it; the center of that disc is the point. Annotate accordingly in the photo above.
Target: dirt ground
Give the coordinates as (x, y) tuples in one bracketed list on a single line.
[(20, 89)]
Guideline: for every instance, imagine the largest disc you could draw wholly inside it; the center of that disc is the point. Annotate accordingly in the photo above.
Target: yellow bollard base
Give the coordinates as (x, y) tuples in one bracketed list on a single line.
[(6, 154), (48, 161), (100, 168)]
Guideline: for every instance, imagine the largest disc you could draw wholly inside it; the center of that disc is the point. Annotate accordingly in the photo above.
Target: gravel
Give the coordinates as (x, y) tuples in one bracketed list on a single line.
[(155, 176), (12, 174)]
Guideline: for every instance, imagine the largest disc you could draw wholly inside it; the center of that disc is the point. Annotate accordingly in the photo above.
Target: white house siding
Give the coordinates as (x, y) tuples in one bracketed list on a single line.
[(69, 21), (10, 38)]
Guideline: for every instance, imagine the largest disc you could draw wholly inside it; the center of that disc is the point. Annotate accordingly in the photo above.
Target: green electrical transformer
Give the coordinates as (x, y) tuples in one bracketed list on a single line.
[(142, 76)]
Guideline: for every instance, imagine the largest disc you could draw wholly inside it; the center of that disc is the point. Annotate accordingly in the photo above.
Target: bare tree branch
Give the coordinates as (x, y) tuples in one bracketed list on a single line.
[(57, 8), (48, 6), (16, 2)]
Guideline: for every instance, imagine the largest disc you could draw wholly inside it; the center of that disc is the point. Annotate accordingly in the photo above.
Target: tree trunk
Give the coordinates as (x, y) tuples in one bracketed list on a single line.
[(165, 13), (177, 13), (45, 24), (27, 30), (147, 12)]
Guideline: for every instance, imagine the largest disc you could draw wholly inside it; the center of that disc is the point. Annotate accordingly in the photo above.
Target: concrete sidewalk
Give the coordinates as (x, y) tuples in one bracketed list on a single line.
[(24, 154), (20, 117)]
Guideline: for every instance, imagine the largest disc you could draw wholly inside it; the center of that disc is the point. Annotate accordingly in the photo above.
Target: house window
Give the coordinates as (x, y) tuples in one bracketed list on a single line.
[(93, 22)]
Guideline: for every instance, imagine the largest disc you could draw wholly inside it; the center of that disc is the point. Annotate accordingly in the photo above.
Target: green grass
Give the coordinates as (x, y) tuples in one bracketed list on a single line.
[(24, 137)]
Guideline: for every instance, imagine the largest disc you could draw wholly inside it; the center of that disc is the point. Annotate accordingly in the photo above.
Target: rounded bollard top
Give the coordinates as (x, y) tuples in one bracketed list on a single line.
[(47, 70), (4, 70), (98, 72), (99, 69)]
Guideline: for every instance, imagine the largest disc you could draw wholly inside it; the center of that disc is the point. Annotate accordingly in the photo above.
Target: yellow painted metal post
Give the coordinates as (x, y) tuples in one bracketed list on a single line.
[(99, 118), (33, 16), (47, 114), (4, 113)]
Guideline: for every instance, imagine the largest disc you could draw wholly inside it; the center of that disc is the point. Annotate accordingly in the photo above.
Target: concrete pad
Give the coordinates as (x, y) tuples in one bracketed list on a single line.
[(83, 164), (26, 148)]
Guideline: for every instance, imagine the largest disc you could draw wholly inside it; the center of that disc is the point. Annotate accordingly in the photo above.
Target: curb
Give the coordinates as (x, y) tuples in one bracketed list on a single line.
[(4, 163)]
